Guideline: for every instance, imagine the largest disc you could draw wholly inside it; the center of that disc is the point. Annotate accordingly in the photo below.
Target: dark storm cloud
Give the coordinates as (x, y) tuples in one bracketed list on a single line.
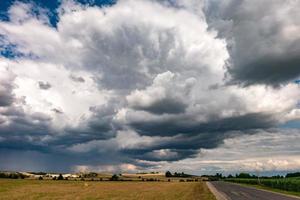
[(6, 90), (102, 125), (269, 70), (167, 127), (37, 126), (77, 136), (98, 127), (6, 99), (19, 122), (162, 155), (165, 149), (44, 85), (102, 120), (202, 140), (262, 39), (23, 144), (183, 146)]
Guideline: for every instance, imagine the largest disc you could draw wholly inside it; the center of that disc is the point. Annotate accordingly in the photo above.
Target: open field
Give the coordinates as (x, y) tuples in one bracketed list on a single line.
[(48, 189)]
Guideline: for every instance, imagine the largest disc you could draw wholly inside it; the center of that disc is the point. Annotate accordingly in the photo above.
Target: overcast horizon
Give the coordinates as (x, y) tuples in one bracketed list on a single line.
[(200, 86)]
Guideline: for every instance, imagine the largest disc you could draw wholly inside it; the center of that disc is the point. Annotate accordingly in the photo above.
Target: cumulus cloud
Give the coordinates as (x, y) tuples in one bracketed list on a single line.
[(135, 85), (163, 96)]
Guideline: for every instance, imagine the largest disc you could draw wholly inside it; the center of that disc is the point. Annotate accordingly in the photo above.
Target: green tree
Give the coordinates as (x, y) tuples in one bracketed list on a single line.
[(168, 174), (60, 177), (114, 177)]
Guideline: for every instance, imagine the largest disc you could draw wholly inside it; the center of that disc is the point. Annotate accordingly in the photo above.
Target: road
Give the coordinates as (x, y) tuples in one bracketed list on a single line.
[(230, 191)]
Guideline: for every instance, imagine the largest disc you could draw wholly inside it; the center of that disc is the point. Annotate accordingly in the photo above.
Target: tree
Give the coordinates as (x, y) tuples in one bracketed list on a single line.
[(218, 175), (296, 174), (230, 176), (60, 177), (243, 175), (114, 178), (168, 174)]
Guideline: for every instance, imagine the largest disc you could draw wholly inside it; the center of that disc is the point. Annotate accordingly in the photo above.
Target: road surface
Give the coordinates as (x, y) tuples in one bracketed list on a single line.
[(229, 191)]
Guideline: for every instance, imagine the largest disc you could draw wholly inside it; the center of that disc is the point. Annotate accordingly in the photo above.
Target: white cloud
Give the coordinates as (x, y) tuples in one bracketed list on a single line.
[(72, 99)]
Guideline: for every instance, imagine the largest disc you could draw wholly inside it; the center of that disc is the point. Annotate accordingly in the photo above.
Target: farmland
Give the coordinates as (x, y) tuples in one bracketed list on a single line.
[(49, 189)]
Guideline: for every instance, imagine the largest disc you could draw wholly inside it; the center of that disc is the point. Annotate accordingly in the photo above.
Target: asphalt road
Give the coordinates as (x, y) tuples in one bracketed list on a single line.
[(230, 191)]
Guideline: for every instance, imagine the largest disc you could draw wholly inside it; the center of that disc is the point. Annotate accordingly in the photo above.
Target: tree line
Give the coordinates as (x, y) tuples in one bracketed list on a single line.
[(176, 174)]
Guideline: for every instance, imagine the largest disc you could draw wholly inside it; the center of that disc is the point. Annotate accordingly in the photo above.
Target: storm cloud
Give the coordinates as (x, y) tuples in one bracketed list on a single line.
[(263, 39), (137, 86)]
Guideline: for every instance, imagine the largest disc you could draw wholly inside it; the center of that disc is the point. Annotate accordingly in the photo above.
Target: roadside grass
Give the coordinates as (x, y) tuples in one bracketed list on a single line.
[(90, 190), (297, 194)]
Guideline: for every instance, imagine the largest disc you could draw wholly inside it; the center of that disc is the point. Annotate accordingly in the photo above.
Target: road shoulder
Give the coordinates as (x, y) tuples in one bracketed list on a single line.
[(219, 195)]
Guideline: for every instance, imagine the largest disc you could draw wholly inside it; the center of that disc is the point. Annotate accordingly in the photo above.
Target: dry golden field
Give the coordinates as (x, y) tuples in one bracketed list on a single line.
[(49, 189)]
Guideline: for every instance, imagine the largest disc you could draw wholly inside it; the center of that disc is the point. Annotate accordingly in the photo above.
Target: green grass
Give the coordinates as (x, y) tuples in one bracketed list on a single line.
[(90, 190), (275, 190), (288, 186)]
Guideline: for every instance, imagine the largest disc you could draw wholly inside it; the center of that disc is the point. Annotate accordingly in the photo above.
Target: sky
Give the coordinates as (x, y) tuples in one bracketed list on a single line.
[(201, 86)]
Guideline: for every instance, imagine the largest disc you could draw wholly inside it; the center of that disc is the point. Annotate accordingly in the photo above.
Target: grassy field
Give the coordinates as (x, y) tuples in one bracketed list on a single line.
[(274, 190), (289, 186), (48, 189)]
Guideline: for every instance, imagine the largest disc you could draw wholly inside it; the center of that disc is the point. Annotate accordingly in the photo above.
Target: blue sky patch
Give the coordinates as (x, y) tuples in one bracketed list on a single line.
[(50, 5)]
